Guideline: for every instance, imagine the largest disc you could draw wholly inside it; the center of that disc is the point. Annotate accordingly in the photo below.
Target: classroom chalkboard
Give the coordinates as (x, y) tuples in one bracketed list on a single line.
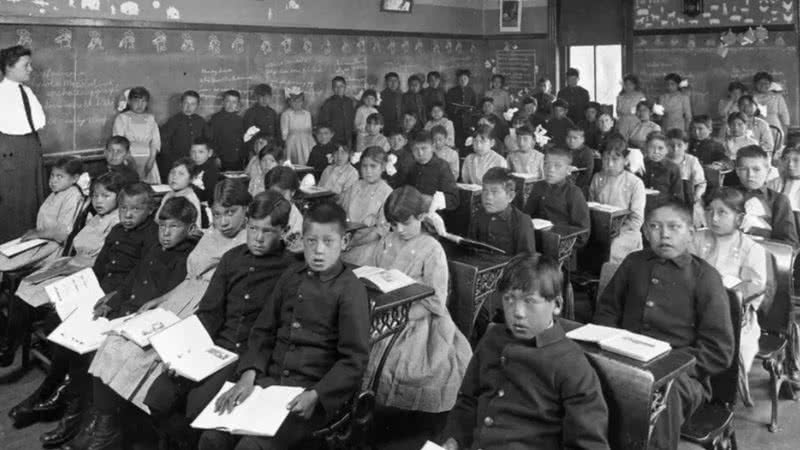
[(709, 67), (81, 72), (668, 14), (518, 66)]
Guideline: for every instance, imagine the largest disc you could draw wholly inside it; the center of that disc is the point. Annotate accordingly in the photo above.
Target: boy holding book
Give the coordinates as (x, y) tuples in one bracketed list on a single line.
[(498, 404), (318, 312), (667, 293)]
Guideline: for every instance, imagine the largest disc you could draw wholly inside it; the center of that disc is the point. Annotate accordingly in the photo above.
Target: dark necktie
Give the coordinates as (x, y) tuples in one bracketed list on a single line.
[(26, 102)]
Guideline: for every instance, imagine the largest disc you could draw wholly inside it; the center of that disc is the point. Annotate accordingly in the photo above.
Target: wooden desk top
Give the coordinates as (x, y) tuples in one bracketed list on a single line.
[(385, 301), (315, 194), (478, 259), (565, 231)]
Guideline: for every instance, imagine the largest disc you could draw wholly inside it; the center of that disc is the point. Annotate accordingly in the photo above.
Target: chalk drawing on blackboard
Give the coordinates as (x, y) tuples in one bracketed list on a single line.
[(214, 46), (95, 41), (347, 48), (690, 41), (787, 5), (188, 43), (24, 37), (473, 49), (266, 44), (728, 38), (64, 38), (763, 6), (129, 8), (173, 13), (419, 47), (405, 47), (156, 4), (269, 14), (287, 44), (93, 5), (113, 10), (308, 47), (160, 41), (128, 41), (448, 47), (327, 47), (238, 44), (459, 48), (761, 34), (436, 48), (391, 47), (780, 42), (674, 41), (361, 45), (293, 5)]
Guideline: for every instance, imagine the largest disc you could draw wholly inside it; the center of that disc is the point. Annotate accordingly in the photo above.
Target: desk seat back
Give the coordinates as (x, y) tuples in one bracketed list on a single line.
[(778, 316), (724, 386), (77, 226)]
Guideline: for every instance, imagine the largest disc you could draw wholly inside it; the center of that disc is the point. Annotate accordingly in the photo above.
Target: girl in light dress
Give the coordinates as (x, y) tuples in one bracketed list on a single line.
[(368, 101), (181, 176), (341, 175), (141, 129), (777, 114), (637, 137), (363, 203), (757, 127), (626, 104), (738, 136), (284, 181), (734, 254), (677, 105), (265, 158), (129, 369), (730, 104), (296, 129), (55, 218), (424, 370), (438, 119)]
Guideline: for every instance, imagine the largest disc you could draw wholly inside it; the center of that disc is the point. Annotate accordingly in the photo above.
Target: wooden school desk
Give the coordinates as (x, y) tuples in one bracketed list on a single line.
[(715, 175), (305, 200), (636, 392), (469, 200), (558, 242), (473, 277), (524, 185)]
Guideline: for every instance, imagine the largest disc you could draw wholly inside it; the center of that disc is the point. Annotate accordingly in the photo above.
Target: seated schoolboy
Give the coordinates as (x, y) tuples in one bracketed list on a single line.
[(768, 213), (267, 158), (692, 173), (661, 174), (227, 131), (666, 293), (180, 180), (788, 183), (429, 174), (559, 124), (400, 148), (208, 170), (527, 384), (118, 159), (236, 294), (339, 176), (498, 222), (443, 151), (313, 332), (556, 198), (161, 269), (284, 181), (320, 155), (589, 124), (373, 136), (500, 125), (483, 157), (526, 159), (582, 158), (707, 149)]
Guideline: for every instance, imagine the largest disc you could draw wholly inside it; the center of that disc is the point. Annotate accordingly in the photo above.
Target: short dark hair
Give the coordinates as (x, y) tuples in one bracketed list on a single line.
[(500, 77), (559, 151), (326, 213), (616, 144), (272, 204), (677, 133), (655, 136), (111, 181), (11, 55), (139, 92), (485, 100), (674, 77), (403, 203), (325, 125), (737, 115), (232, 93), (137, 189), (573, 72), (338, 78), (762, 76), (705, 119), (375, 153), (484, 131), (633, 79), (561, 103), (119, 140), (679, 207), (594, 105), (262, 90), (502, 176), (532, 273), (413, 78), (391, 75), (200, 140), (437, 104), (283, 178), (734, 85), (438, 129), (463, 72), (232, 192), (730, 196), (422, 137), (576, 129), (71, 165), (525, 130), (180, 209), (435, 74), (375, 118), (397, 132), (750, 151), (369, 93), (646, 104), (790, 150), (190, 93), (189, 163)]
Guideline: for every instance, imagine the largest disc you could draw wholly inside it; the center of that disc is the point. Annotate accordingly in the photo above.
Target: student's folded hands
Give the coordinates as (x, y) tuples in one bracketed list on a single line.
[(303, 405), (237, 394)]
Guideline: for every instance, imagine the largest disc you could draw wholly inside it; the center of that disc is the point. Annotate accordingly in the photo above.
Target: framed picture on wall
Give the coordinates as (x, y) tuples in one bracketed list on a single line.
[(400, 6), (510, 15)]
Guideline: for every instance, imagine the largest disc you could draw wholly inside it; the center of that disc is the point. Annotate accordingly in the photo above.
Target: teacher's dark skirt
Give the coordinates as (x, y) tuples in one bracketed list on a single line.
[(21, 184)]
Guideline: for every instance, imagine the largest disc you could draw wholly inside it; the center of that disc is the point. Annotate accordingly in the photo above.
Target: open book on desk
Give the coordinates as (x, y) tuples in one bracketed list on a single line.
[(81, 333), (431, 446), (79, 290), (541, 224), (261, 414), (469, 187), (384, 280), (636, 346), (142, 326), (15, 247), (187, 349), (604, 207), (472, 244)]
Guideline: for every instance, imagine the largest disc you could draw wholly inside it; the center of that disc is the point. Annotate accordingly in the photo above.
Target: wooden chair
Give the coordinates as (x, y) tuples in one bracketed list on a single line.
[(711, 426), (776, 328), (777, 137)]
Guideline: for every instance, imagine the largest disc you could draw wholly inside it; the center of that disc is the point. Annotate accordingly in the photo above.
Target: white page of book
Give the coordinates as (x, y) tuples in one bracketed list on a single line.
[(80, 289), (188, 349), (142, 326), (541, 224), (81, 333), (260, 415), (16, 246), (431, 446), (594, 333)]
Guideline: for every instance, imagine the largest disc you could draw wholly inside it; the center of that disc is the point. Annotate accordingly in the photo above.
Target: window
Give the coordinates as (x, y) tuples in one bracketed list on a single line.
[(601, 70)]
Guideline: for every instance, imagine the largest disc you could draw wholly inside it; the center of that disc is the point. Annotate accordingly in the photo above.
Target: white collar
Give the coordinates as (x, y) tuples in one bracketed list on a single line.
[(12, 82)]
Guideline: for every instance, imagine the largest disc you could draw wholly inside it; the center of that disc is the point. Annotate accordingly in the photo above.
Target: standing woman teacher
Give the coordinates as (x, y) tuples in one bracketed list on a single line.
[(21, 117)]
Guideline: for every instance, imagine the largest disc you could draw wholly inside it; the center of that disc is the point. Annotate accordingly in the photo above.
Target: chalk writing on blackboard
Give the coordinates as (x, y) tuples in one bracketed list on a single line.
[(518, 67)]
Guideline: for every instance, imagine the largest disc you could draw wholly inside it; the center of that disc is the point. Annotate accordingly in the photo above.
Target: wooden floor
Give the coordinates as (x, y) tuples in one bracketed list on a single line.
[(750, 423)]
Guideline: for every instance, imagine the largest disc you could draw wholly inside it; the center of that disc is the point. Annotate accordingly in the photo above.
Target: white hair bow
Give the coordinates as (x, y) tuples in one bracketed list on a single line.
[(391, 160), (658, 109), (252, 131), (122, 103)]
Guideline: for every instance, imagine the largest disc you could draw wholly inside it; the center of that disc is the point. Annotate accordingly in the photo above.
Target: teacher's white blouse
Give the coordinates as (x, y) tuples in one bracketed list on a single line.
[(12, 111)]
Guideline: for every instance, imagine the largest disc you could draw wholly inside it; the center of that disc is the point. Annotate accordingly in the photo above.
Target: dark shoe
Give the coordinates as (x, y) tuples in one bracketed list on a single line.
[(23, 414), (55, 403), (104, 434), (68, 427), (85, 428)]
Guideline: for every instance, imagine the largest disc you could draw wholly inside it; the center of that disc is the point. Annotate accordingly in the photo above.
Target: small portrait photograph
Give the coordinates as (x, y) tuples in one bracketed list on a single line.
[(401, 6), (510, 15)]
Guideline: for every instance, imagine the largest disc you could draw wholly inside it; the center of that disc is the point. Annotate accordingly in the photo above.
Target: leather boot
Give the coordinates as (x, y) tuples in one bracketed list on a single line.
[(104, 434), (23, 414), (55, 403), (68, 427)]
